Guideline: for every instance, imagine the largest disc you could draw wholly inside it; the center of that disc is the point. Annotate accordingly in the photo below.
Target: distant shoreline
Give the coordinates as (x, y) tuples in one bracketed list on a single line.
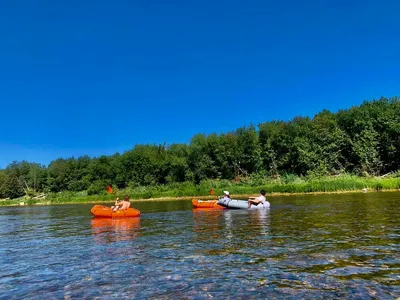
[(6, 203)]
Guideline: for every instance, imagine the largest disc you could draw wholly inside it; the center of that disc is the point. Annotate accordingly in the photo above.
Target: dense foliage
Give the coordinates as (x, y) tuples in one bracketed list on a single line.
[(363, 140)]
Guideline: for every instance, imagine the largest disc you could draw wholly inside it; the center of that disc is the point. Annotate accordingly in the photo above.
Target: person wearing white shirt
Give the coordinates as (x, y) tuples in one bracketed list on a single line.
[(260, 199), (226, 196)]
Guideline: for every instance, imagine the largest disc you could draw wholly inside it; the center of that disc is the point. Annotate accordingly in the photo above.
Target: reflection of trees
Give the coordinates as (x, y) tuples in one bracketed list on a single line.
[(107, 230), (60, 221), (338, 235), (336, 221)]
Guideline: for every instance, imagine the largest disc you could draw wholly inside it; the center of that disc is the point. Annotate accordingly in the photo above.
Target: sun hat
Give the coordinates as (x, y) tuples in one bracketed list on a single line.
[(226, 192)]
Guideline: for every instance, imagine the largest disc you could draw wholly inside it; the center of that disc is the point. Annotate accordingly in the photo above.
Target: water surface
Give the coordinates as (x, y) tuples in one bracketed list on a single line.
[(327, 246)]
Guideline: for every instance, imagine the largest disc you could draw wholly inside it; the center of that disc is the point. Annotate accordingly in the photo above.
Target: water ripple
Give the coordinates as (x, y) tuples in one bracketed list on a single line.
[(293, 251)]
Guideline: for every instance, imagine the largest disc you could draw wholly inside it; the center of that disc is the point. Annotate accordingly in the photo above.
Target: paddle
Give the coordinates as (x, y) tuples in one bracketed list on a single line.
[(110, 191), (212, 192)]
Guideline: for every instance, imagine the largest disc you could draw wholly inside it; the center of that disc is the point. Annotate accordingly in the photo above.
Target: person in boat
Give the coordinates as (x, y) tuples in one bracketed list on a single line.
[(124, 204), (226, 196), (257, 200), (115, 206)]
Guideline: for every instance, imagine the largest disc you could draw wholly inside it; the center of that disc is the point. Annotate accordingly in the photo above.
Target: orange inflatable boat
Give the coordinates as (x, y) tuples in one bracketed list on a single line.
[(206, 204), (102, 211)]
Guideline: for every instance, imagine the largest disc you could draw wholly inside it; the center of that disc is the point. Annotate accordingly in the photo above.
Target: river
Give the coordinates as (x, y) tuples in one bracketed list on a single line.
[(319, 247)]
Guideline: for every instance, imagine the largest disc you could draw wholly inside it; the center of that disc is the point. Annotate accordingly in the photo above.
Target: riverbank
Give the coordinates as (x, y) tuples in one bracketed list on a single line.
[(186, 191), (24, 201)]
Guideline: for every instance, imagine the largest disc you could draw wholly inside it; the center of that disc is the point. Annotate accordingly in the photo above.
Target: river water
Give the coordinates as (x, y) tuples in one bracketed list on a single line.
[(319, 247)]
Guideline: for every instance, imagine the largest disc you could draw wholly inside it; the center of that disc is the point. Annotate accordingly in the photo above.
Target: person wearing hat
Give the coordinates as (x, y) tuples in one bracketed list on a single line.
[(226, 196), (260, 199)]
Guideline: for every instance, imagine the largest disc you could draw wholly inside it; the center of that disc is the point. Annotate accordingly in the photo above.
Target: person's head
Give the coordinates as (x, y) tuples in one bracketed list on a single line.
[(126, 198), (262, 192), (226, 193)]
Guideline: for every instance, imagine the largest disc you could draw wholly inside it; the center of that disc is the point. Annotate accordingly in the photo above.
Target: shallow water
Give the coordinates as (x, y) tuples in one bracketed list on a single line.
[(327, 246)]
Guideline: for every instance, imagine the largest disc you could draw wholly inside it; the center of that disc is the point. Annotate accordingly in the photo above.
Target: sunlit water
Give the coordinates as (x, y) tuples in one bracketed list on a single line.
[(336, 246)]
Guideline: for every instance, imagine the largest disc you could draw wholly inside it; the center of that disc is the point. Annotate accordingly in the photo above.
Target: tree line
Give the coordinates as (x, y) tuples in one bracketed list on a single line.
[(362, 140)]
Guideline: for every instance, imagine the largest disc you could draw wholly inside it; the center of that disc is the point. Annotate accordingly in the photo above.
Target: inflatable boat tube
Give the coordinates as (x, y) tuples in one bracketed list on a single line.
[(241, 204), (101, 211), (206, 204)]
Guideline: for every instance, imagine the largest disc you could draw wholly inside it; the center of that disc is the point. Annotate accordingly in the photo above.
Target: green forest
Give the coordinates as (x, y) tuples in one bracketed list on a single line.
[(362, 141)]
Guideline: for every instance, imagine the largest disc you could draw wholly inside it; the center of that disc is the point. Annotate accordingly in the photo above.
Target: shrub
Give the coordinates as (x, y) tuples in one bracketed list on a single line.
[(97, 188)]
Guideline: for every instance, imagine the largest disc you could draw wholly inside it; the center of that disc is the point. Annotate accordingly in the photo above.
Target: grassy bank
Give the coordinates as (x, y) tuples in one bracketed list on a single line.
[(250, 186)]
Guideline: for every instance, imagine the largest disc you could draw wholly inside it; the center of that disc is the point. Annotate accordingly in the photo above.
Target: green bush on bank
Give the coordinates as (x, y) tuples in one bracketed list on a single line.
[(282, 185), (285, 184)]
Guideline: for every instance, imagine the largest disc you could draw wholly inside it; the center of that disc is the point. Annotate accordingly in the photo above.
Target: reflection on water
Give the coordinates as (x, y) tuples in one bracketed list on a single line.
[(207, 223), (258, 223), (325, 247), (261, 220), (114, 230)]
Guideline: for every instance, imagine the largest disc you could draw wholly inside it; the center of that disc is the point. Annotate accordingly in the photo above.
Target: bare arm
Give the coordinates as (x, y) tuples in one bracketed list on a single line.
[(254, 200)]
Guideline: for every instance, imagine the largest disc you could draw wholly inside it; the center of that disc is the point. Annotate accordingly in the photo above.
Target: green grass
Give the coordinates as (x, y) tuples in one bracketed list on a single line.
[(284, 184)]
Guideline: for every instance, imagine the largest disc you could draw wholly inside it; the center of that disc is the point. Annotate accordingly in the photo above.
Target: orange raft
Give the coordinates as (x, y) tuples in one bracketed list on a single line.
[(102, 211), (206, 204)]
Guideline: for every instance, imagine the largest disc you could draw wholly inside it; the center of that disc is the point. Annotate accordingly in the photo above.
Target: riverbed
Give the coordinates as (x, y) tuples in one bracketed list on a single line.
[(320, 246)]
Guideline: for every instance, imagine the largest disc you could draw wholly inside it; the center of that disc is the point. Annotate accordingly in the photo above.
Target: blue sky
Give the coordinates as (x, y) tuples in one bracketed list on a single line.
[(97, 77)]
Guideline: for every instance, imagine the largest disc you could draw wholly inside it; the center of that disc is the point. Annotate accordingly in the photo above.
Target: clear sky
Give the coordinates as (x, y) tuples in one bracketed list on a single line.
[(97, 77)]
